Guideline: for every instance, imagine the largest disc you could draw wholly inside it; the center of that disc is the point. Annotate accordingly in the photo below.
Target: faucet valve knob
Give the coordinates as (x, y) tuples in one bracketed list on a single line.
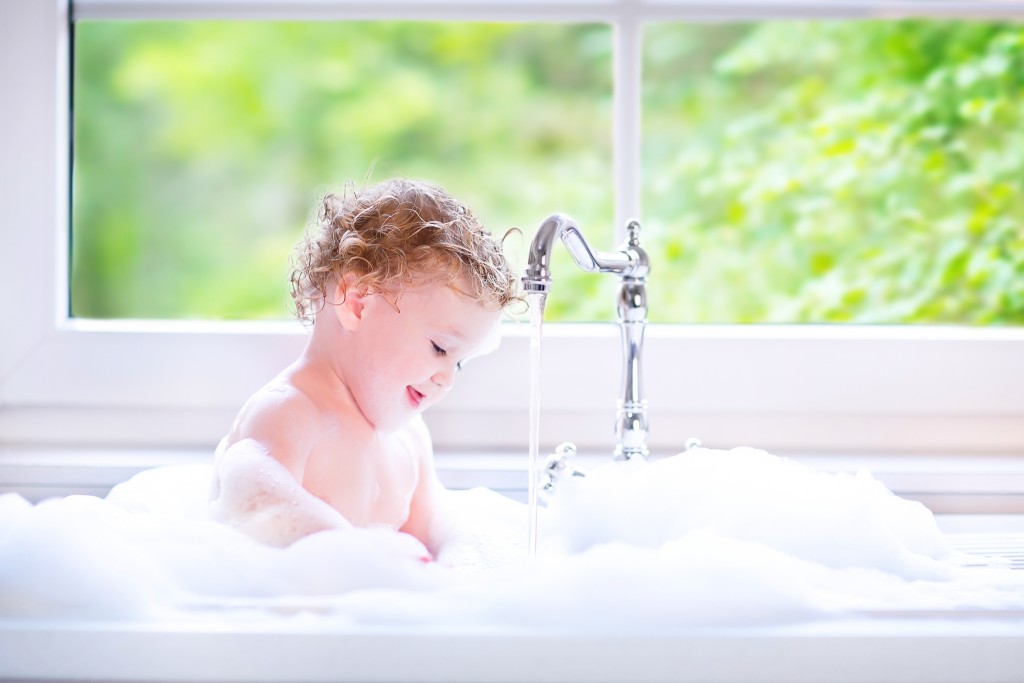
[(633, 232), (558, 466)]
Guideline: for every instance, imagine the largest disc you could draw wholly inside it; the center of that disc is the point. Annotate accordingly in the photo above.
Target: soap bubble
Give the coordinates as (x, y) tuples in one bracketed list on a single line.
[(705, 538)]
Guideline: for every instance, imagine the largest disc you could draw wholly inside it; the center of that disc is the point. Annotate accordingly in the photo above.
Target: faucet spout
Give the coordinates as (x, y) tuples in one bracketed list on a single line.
[(538, 269), (631, 264), (629, 261)]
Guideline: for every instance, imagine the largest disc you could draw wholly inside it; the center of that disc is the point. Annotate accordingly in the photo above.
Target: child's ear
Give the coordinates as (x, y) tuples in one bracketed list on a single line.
[(348, 303)]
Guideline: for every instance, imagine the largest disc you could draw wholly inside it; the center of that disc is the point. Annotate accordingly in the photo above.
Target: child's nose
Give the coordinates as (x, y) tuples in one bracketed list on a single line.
[(444, 377)]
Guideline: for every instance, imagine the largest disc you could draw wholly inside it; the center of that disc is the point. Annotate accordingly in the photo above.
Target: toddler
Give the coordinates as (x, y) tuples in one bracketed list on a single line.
[(401, 285)]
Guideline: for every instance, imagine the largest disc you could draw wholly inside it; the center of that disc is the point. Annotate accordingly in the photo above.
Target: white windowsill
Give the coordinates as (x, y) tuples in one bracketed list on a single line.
[(945, 484)]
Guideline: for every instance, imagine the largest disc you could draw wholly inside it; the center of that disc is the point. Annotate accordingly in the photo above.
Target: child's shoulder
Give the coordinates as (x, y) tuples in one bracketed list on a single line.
[(283, 419), (282, 400)]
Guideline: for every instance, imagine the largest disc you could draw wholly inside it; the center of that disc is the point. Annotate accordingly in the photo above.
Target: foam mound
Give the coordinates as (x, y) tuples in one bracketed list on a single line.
[(705, 538)]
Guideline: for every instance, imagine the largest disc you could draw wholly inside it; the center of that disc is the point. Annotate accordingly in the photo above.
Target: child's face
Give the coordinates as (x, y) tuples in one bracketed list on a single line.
[(405, 360)]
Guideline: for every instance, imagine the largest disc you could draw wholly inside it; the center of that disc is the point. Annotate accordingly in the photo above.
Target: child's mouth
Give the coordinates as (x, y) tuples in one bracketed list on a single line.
[(415, 397)]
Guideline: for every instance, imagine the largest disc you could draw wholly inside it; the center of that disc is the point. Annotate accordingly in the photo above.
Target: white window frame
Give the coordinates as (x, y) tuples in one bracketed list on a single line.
[(793, 389)]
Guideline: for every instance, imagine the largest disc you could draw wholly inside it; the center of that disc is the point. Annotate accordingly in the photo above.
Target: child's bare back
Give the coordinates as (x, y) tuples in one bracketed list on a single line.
[(336, 440)]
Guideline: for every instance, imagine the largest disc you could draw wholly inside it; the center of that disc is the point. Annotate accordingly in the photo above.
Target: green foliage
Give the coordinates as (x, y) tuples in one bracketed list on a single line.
[(837, 172), (854, 171), (201, 148)]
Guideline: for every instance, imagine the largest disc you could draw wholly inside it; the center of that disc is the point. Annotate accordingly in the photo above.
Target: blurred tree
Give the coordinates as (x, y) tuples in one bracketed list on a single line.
[(837, 171), (854, 171), (201, 148)]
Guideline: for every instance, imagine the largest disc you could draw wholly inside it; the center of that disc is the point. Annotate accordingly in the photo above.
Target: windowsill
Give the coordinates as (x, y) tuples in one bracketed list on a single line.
[(946, 484)]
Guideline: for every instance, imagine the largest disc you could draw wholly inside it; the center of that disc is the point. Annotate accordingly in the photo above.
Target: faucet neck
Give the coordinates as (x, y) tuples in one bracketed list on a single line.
[(537, 277)]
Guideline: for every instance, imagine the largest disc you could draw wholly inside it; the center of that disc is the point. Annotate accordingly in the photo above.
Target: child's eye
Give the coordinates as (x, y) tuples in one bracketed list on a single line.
[(442, 352)]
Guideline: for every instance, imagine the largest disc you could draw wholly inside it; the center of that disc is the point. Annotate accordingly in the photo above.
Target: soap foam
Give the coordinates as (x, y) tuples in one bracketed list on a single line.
[(705, 538), (839, 520)]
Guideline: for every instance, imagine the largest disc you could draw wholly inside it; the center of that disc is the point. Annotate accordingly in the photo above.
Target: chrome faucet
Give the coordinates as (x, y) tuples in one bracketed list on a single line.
[(630, 263)]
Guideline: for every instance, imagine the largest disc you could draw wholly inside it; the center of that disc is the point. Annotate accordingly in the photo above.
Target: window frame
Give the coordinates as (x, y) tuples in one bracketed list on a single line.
[(149, 384)]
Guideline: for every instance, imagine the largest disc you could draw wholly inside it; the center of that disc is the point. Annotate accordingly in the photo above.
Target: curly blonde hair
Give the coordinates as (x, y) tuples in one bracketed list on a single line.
[(393, 234)]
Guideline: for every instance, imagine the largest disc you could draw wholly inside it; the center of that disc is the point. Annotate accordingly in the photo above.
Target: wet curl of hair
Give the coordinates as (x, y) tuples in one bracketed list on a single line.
[(394, 234)]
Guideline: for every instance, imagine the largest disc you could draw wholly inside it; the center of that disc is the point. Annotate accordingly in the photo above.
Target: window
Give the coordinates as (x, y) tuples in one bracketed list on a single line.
[(793, 170), (788, 388), (824, 171), (201, 146)]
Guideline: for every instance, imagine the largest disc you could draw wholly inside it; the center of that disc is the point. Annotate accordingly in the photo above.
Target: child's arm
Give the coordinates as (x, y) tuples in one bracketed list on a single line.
[(425, 520), (257, 485)]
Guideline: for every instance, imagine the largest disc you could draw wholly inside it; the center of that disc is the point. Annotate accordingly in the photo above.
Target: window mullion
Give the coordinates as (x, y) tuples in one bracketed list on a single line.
[(628, 54)]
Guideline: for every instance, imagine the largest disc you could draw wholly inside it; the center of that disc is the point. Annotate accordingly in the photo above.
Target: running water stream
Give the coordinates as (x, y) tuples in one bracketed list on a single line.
[(536, 302)]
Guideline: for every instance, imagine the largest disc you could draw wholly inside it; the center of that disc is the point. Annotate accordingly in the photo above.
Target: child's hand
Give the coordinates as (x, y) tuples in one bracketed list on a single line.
[(422, 554)]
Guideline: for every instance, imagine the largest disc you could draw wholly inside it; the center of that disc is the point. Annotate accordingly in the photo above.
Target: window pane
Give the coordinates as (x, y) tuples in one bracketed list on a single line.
[(845, 171), (201, 148)]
